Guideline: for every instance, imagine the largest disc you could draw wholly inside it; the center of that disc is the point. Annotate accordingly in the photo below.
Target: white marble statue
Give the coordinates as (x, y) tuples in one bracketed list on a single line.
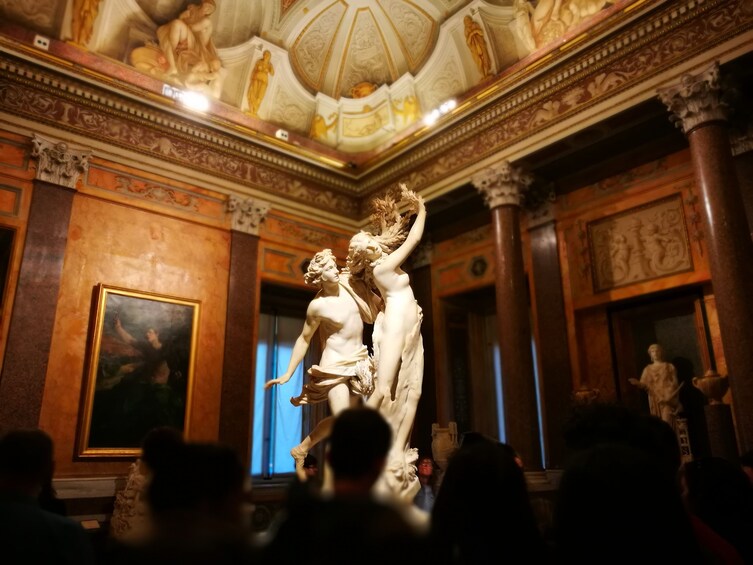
[(377, 259), (659, 380), (338, 313)]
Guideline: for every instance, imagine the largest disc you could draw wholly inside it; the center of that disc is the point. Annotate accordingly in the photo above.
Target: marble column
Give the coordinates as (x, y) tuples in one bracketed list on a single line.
[(241, 328), (32, 320), (502, 186), (699, 107), (553, 353)]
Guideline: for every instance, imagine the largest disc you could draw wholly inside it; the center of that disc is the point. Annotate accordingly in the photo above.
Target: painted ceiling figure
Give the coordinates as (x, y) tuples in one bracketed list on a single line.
[(185, 52)]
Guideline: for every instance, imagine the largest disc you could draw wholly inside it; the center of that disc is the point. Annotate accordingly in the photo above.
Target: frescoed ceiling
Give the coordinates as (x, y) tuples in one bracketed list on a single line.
[(329, 101)]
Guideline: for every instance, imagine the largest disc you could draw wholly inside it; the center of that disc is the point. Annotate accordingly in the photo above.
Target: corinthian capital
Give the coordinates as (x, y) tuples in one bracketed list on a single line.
[(247, 214), (502, 184), (57, 164), (697, 99)]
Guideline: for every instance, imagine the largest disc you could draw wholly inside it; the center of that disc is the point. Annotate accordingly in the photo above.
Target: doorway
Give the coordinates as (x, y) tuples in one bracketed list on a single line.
[(677, 321)]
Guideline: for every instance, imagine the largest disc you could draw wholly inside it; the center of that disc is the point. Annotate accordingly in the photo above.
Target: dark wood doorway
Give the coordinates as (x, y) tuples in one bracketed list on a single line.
[(677, 321)]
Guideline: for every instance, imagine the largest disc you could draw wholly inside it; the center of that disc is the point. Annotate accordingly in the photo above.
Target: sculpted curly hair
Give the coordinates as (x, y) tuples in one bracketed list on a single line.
[(313, 276)]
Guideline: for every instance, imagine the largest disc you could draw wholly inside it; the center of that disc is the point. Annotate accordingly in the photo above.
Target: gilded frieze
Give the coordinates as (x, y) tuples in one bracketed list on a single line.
[(123, 124), (614, 65)]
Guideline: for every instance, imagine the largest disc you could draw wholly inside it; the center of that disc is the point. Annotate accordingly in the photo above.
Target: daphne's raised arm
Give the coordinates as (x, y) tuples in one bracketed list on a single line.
[(399, 255)]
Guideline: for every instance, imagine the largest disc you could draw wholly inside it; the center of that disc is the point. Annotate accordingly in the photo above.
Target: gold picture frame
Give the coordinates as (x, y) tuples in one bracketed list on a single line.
[(139, 371)]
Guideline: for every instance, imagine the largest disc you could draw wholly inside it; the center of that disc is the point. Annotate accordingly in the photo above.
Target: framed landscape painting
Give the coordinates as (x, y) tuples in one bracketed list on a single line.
[(139, 370)]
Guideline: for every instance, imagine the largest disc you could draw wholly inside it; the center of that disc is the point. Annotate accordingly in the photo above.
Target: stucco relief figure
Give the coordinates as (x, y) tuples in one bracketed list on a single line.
[(659, 380), (523, 13), (185, 52), (320, 128), (337, 312), (664, 248), (377, 259), (362, 89), (259, 82), (474, 38), (551, 19), (82, 21), (408, 111)]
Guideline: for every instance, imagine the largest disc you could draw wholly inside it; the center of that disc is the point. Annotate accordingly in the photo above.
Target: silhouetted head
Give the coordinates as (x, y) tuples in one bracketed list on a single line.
[(359, 443), (26, 461)]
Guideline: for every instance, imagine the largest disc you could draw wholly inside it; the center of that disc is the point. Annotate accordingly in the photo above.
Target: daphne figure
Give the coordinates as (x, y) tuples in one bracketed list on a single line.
[(398, 346)]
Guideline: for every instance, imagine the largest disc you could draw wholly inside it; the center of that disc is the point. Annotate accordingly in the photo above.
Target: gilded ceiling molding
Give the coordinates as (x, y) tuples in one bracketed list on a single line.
[(57, 163), (65, 103), (247, 214), (502, 184), (615, 64), (697, 99)]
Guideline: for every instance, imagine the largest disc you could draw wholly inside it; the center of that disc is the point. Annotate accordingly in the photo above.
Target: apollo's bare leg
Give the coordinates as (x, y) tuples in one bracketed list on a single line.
[(339, 400)]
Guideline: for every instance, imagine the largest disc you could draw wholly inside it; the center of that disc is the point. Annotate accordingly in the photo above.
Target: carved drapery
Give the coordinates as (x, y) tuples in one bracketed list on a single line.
[(502, 184), (697, 99), (247, 214), (57, 163)]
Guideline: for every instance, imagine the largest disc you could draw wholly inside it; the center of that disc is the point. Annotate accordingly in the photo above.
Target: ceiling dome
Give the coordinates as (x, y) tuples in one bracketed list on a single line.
[(347, 44)]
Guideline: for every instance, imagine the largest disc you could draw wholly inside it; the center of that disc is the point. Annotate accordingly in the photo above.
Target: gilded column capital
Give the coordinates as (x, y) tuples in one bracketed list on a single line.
[(57, 163), (502, 184), (697, 99), (247, 214)]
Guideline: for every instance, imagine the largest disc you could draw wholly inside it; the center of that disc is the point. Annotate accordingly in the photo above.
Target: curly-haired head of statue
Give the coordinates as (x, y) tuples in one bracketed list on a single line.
[(363, 250), (319, 262)]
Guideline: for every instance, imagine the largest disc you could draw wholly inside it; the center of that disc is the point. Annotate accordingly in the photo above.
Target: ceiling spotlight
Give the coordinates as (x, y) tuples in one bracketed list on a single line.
[(195, 101), (436, 113), (190, 99)]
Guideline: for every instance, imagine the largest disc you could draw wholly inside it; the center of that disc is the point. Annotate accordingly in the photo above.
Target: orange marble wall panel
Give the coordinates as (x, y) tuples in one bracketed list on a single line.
[(281, 264), (574, 225), (463, 274), (288, 230), (154, 192), (595, 354), (463, 244), (10, 199), (135, 249), (15, 151)]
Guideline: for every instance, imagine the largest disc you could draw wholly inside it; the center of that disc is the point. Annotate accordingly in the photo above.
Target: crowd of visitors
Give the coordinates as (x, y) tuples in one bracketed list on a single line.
[(624, 497)]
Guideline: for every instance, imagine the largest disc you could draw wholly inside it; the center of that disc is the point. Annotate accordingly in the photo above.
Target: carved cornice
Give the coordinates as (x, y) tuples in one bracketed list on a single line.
[(57, 163), (653, 39), (697, 99), (65, 103), (247, 214), (650, 45), (502, 184)]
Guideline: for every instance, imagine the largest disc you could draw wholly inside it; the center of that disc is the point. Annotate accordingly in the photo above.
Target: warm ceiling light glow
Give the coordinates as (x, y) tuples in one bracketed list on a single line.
[(190, 99), (432, 117), (195, 101)]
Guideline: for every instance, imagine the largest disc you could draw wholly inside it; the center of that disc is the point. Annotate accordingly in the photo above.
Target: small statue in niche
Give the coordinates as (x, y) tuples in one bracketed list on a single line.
[(82, 20), (259, 81), (659, 380), (474, 38)]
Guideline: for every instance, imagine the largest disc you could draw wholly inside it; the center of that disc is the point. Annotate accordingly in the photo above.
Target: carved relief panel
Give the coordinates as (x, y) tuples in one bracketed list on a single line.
[(639, 244)]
